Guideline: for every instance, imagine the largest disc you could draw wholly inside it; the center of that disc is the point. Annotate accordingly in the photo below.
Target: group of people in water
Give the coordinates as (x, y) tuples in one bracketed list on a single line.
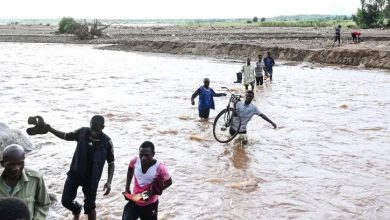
[(246, 109), (25, 196)]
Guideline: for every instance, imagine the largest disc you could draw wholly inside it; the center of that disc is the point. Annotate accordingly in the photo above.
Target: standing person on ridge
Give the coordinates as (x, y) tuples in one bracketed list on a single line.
[(206, 99), (269, 63), (93, 149), (337, 35), (248, 74)]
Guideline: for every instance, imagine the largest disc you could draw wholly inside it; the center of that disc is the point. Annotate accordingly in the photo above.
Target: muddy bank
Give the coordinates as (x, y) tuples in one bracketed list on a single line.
[(285, 43), (335, 56)]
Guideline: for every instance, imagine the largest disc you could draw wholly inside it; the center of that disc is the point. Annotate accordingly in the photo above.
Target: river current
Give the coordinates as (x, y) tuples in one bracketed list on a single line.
[(329, 158)]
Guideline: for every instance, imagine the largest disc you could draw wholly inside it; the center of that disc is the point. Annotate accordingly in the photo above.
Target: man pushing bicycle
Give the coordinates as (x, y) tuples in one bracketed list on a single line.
[(246, 111)]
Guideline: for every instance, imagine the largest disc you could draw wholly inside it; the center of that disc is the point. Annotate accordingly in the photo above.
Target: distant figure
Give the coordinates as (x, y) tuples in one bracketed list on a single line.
[(248, 73), (23, 183), (269, 63), (337, 35), (206, 99), (93, 149), (356, 37), (151, 178), (13, 209), (259, 70), (247, 110)]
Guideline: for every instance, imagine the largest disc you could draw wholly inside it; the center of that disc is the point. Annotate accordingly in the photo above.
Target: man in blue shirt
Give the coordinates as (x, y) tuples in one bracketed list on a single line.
[(206, 100), (269, 62)]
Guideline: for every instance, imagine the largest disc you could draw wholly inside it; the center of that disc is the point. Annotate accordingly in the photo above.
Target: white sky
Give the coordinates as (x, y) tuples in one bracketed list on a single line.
[(132, 9)]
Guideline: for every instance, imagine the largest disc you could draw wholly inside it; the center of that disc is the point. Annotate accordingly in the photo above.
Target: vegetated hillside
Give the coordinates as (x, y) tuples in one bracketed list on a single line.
[(309, 17)]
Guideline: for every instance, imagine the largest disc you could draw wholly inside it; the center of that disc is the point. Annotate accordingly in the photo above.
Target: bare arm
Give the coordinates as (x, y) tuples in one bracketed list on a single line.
[(57, 133), (107, 185), (130, 173), (111, 167), (196, 93), (268, 120)]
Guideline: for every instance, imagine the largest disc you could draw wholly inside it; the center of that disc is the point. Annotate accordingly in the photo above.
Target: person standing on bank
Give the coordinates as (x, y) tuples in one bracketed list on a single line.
[(93, 149), (248, 74), (337, 35), (151, 178)]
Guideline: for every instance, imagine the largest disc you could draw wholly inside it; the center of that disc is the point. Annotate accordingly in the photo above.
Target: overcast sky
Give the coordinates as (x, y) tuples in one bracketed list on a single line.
[(116, 9)]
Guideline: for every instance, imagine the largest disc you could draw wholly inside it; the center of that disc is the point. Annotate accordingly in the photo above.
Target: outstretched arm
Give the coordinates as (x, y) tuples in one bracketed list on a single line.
[(59, 134), (218, 94), (196, 93), (267, 119)]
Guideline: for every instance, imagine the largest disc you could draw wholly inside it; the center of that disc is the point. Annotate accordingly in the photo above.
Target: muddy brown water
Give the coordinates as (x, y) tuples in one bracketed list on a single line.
[(329, 158)]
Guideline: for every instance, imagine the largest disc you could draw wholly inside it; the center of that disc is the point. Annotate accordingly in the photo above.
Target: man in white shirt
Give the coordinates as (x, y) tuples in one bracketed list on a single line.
[(248, 74)]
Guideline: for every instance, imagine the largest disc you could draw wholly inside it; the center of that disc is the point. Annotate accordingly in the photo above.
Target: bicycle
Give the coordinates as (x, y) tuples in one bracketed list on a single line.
[(224, 120)]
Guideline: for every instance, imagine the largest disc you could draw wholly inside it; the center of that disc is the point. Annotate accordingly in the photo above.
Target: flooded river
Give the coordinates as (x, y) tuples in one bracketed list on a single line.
[(329, 158)]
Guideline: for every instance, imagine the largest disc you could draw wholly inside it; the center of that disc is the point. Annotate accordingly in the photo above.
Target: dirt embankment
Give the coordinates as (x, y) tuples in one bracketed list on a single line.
[(295, 44)]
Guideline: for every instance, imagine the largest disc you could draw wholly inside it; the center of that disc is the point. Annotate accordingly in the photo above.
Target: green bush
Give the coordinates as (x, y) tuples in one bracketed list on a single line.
[(67, 25)]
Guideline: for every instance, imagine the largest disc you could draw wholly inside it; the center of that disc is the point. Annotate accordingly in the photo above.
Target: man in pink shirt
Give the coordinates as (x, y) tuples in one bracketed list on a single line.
[(151, 177)]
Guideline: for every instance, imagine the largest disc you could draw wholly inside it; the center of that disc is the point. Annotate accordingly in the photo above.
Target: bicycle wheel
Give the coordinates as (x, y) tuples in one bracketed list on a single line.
[(222, 124)]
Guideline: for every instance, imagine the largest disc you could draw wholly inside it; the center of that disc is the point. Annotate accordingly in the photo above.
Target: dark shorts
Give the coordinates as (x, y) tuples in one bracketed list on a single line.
[(259, 80), (268, 71), (232, 131), (204, 113), (70, 193), (133, 211)]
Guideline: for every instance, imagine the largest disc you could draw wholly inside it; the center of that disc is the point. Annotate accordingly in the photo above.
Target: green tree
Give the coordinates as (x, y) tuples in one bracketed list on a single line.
[(372, 13), (255, 19), (262, 19)]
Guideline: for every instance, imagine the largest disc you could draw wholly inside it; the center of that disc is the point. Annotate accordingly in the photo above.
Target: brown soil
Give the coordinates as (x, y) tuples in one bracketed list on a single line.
[(296, 44)]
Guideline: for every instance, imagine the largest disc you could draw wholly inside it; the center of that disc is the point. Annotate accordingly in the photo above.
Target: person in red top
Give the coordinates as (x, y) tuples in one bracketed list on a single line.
[(151, 177), (356, 37)]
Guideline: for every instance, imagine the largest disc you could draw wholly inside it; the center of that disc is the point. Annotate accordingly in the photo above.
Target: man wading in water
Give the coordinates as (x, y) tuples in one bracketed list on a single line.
[(92, 150), (247, 110), (248, 74), (151, 177), (206, 100)]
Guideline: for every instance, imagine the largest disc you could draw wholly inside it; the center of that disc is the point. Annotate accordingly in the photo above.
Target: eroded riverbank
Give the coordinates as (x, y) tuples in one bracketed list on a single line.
[(294, 44)]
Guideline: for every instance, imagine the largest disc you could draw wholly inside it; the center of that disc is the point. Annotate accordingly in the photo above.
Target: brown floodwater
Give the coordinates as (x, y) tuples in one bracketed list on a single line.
[(328, 159)]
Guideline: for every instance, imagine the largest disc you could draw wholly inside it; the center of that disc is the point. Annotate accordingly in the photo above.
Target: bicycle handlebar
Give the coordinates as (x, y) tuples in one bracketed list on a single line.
[(224, 87)]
